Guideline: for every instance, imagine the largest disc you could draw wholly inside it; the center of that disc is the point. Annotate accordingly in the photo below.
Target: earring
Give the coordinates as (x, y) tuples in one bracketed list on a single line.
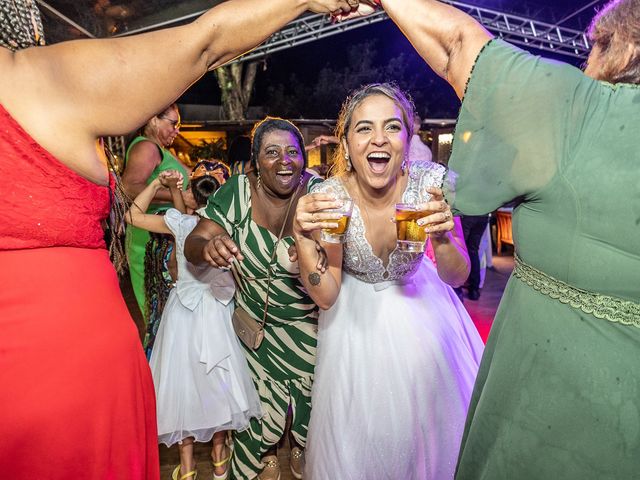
[(405, 165), (301, 178), (259, 180), (348, 166)]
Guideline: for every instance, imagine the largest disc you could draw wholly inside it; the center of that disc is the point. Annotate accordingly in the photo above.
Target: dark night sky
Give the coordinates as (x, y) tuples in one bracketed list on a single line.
[(306, 60)]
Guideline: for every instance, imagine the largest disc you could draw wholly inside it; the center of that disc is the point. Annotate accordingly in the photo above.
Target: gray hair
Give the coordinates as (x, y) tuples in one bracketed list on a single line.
[(390, 90), (615, 29), (20, 24)]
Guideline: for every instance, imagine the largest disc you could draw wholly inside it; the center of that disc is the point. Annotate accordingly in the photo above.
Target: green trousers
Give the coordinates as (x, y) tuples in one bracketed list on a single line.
[(275, 397)]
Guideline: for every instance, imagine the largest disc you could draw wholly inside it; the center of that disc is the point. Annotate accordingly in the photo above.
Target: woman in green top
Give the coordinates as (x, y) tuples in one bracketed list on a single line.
[(240, 230), (558, 391), (147, 156)]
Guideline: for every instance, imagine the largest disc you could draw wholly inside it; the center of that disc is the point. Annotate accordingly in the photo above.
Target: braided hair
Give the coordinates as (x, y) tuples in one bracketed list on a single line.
[(20, 24), (157, 283)]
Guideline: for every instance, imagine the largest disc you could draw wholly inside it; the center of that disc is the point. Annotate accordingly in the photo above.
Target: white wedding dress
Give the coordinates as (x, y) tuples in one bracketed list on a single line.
[(397, 359)]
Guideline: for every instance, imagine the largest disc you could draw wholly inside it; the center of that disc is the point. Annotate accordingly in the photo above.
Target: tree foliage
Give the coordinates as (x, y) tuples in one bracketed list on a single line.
[(236, 86), (214, 150), (322, 96)]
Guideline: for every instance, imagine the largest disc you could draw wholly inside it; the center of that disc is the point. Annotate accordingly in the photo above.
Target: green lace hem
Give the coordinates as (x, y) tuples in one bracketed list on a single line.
[(600, 306)]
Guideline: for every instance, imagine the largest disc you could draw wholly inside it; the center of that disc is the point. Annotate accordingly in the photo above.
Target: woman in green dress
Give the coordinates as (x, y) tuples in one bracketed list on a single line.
[(240, 230), (147, 156), (558, 391)]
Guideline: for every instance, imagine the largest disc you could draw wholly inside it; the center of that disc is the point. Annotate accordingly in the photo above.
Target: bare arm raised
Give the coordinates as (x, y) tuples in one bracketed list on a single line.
[(448, 39), (91, 88), (137, 214)]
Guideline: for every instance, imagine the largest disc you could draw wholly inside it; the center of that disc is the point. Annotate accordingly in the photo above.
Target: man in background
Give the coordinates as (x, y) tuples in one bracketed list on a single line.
[(417, 149)]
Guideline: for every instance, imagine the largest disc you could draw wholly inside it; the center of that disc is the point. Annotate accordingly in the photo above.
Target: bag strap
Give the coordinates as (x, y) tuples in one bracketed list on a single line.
[(273, 255)]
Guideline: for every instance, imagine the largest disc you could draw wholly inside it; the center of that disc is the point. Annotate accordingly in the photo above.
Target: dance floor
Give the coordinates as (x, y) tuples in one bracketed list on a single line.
[(481, 311)]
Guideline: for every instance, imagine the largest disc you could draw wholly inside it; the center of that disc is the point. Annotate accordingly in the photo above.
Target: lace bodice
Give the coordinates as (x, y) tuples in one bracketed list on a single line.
[(359, 259), (44, 203)]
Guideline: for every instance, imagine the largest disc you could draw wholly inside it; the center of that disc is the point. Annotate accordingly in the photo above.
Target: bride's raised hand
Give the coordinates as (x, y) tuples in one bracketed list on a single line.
[(311, 214), (440, 220), (334, 7), (361, 8)]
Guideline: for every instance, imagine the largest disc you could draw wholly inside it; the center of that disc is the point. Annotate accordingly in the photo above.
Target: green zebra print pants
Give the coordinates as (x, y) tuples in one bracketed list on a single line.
[(262, 435)]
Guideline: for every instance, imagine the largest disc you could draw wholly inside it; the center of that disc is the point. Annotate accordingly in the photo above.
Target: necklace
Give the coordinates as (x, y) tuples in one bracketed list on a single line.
[(363, 204), (276, 207)]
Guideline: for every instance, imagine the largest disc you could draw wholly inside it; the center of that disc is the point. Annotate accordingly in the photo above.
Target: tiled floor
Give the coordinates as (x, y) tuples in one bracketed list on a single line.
[(169, 458)]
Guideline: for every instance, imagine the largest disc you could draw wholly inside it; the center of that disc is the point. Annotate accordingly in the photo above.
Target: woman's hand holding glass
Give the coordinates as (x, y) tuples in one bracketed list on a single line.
[(314, 212), (439, 219)]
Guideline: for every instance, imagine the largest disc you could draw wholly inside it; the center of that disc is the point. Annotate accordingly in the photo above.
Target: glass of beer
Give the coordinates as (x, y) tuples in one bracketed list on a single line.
[(411, 236), (337, 235)]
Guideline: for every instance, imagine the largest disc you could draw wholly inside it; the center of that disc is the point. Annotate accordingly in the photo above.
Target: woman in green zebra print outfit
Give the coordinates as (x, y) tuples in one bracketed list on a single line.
[(240, 230)]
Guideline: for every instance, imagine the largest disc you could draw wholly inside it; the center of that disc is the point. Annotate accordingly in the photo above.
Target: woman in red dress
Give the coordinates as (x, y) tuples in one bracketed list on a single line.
[(76, 396)]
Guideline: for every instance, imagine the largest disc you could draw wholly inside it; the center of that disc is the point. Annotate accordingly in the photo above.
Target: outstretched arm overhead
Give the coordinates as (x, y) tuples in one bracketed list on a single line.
[(93, 88), (448, 39), (137, 215)]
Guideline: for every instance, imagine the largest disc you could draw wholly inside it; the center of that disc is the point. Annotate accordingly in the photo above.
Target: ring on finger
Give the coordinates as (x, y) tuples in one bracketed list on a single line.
[(313, 218)]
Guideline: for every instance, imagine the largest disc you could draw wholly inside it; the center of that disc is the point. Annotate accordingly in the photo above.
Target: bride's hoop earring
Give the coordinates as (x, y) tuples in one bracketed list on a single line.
[(348, 160)]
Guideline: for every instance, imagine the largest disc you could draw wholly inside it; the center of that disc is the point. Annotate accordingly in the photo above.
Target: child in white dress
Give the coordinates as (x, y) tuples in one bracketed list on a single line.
[(200, 374)]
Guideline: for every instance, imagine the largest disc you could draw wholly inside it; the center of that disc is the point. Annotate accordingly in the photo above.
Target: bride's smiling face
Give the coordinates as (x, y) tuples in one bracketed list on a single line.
[(377, 141)]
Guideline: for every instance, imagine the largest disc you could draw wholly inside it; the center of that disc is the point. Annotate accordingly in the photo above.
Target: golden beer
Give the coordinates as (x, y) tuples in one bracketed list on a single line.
[(411, 236), (343, 224), (337, 235)]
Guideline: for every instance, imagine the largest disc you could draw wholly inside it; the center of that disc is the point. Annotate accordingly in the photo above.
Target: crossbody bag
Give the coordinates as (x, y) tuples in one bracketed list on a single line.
[(249, 330)]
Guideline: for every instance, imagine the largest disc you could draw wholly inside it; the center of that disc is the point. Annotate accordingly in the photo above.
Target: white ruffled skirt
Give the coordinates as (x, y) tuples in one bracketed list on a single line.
[(394, 374), (200, 373)]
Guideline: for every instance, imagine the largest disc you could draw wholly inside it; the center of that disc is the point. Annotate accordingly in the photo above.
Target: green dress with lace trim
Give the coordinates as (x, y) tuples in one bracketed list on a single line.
[(558, 391)]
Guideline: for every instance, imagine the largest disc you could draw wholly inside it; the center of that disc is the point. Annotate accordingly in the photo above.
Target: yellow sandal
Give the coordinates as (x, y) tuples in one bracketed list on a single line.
[(220, 464), (176, 472)]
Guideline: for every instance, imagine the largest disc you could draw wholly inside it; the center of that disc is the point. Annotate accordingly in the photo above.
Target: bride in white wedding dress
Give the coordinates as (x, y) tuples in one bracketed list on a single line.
[(397, 352)]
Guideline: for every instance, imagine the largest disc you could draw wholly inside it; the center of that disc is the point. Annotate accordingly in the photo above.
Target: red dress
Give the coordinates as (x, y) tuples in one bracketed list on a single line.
[(76, 395)]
